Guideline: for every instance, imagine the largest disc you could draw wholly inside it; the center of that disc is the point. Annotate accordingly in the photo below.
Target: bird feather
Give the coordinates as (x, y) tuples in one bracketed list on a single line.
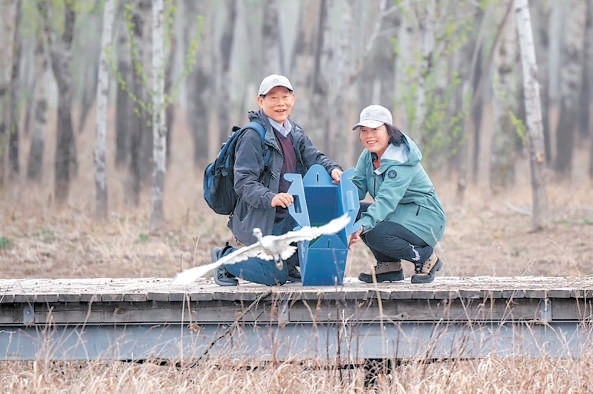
[(270, 247)]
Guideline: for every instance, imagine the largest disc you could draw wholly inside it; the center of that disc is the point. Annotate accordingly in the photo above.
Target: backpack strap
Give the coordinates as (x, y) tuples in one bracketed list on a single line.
[(262, 133)]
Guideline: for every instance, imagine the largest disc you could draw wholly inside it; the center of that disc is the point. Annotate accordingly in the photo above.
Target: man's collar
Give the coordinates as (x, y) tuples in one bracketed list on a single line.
[(282, 129)]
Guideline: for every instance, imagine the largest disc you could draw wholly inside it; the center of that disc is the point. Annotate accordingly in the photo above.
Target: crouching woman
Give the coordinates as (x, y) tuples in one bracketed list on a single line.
[(405, 220)]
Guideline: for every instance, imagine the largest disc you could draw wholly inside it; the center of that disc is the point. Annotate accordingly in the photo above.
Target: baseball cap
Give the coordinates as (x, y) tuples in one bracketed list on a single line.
[(271, 81), (374, 116)]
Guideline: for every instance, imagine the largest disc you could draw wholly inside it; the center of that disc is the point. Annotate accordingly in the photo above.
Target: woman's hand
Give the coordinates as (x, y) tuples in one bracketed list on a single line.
[(354, 238)]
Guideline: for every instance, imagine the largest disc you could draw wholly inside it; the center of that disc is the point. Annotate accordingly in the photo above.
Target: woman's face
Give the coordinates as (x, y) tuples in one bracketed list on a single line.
[(374, 140)]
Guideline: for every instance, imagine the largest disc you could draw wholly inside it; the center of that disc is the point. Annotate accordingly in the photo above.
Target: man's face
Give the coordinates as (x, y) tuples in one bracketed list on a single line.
[(277, 104)]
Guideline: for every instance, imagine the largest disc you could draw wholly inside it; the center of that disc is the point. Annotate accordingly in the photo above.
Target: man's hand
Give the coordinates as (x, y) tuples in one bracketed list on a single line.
[(336, 175), (354, 238), (283, 200)]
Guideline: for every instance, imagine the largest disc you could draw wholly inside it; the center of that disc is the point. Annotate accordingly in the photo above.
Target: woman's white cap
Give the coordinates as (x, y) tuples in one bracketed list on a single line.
[(374, 116)]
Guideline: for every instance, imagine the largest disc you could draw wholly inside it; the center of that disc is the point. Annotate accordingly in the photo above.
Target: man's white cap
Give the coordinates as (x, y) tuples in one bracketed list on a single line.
[(374, 116), (271, 81)]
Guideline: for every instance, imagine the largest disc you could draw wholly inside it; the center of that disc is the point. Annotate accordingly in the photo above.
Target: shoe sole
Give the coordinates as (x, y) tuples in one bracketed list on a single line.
[(382, 278), (220, 283), (427, 278)]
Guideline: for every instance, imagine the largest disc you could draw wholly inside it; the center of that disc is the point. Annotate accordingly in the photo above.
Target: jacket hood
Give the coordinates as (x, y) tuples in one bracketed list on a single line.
[(407, 153)]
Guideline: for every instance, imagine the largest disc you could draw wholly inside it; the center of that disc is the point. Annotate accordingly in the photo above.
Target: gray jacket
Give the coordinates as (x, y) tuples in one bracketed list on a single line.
[(256, 187)]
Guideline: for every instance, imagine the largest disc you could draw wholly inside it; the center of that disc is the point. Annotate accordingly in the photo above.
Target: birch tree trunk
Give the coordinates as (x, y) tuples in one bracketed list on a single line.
[(13, 139), (101, 196), (273, 56), (426, 16), (341, 69), (541, 25), (7, 28), (61, 58), (140, 129), (505, 107), (534, 116), (199, 82), (158, 117), (589, 68), (467, 63), (571, 73), (124, 107), (222, 71), (318, 103), (403, 63), (587, 78), (39, 127), (302, 59)]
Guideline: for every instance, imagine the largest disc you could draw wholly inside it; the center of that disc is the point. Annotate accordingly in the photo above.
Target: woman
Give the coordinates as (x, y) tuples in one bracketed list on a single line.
[(405, 220)]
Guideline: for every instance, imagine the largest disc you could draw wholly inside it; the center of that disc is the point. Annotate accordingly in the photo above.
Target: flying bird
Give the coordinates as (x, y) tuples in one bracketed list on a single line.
[(270, 247)]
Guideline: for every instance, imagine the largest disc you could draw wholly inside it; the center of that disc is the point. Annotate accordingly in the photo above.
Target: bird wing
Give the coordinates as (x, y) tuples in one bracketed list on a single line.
[(192, 274), (288, 251), (309, 233), (281, 243)]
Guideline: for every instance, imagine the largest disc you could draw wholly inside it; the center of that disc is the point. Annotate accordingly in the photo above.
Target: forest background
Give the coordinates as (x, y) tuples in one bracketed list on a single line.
[(77, 82)]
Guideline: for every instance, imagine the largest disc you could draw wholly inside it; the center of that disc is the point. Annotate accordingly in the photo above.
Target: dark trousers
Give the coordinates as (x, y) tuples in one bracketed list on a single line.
[(263, 271), (390, 241)]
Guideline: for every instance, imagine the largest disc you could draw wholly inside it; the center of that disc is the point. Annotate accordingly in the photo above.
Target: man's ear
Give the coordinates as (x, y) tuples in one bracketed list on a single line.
[(260, 101)]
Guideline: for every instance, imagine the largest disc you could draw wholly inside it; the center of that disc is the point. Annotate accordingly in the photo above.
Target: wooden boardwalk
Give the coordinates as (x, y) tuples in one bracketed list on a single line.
[(124, 318)]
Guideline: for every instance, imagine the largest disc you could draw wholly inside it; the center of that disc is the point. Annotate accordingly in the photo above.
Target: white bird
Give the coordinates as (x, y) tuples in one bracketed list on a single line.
[(270, 247)]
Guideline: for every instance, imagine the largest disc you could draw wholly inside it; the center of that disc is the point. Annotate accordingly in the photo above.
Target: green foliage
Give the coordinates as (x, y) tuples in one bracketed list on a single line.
[(519, 127), (142, 238), (5, 243), (146, 106), (46, 235), (439, 129)]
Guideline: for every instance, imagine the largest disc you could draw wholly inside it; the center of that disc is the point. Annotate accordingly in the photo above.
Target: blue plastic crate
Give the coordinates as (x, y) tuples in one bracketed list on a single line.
[(317, 201)]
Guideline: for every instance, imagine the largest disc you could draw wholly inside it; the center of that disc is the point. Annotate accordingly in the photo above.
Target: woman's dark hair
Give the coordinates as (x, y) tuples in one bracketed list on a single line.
[(396, 137)]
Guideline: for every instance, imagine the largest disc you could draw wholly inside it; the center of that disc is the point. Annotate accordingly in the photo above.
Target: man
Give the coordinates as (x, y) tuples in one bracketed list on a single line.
[(263, 199)]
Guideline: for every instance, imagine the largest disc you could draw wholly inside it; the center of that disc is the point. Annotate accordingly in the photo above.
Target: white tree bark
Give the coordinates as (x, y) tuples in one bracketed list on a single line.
[(159, 130), (102, 96), (534, 115)]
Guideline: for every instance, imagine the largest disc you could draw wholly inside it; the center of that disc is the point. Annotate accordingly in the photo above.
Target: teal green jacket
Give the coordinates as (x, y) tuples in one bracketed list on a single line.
[(402, 192)]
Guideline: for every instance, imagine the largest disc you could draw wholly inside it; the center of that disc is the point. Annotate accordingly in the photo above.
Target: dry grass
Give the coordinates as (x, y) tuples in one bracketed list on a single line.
[(487, 235), (488, 375)]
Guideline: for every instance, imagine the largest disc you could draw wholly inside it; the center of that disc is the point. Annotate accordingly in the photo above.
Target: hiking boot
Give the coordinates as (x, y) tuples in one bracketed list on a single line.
[(384, 272), (222, 277), (425, 272), (218, 252), (294, 275)]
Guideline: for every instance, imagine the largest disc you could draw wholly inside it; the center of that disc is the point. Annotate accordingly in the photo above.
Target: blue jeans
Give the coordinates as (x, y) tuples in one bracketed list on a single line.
[(390, 241), (263, 271)]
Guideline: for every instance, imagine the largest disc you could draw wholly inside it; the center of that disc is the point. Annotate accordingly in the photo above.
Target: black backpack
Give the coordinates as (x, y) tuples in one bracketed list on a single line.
[(218, 175)]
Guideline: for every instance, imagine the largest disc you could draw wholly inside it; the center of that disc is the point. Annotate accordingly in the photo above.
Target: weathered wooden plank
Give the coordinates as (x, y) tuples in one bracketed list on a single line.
[(159, 289)]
